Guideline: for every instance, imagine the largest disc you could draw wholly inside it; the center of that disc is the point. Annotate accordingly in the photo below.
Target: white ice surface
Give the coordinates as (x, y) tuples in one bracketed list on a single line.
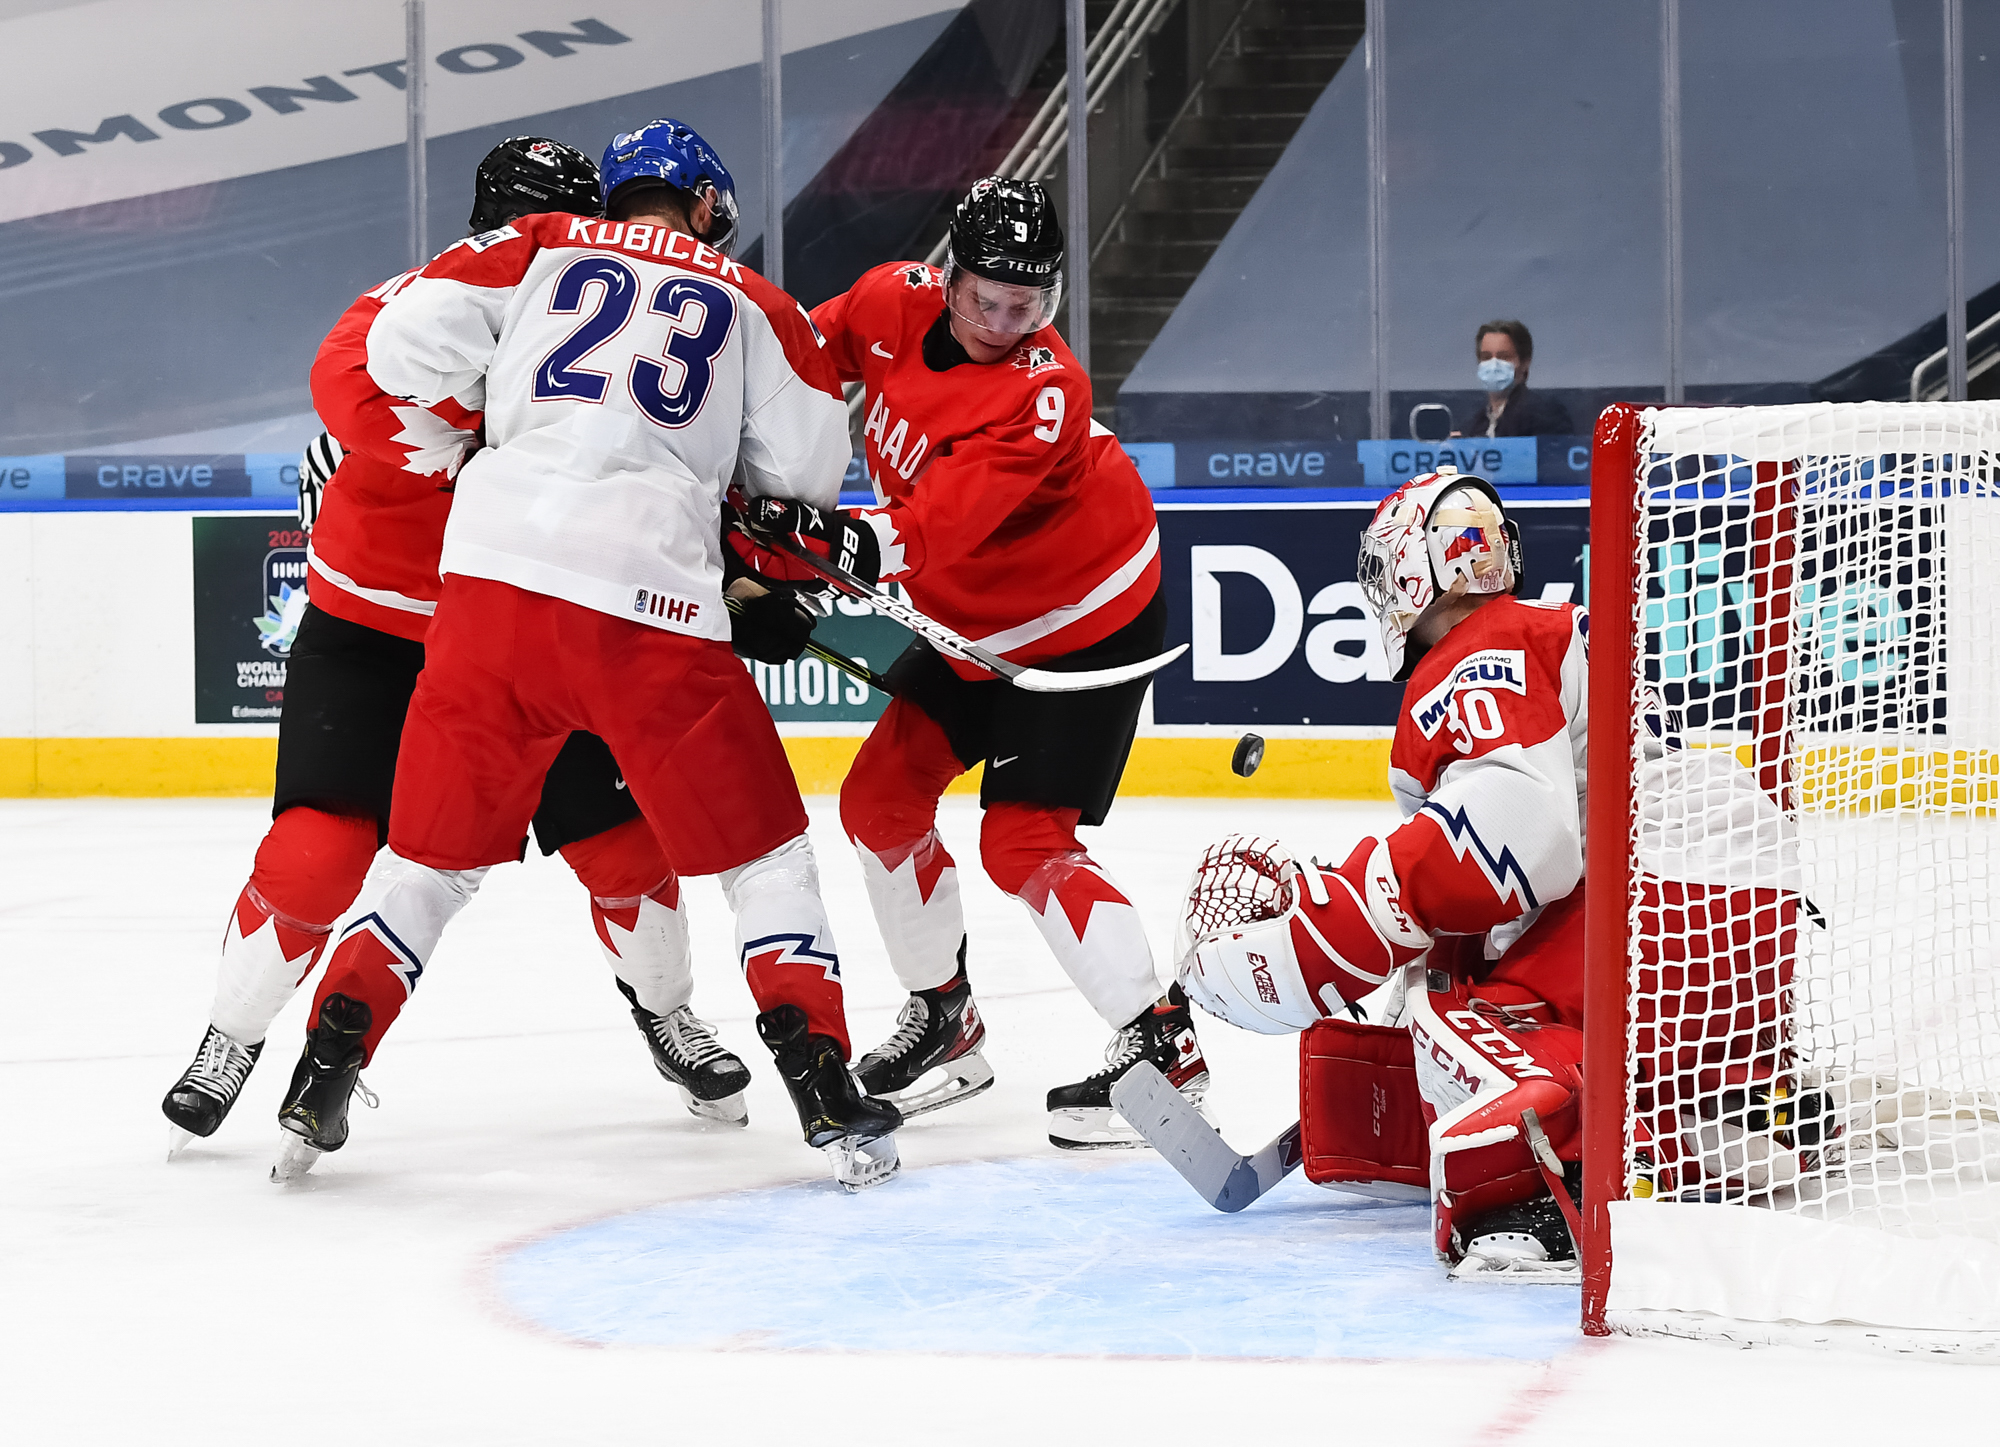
[(500, 1253)]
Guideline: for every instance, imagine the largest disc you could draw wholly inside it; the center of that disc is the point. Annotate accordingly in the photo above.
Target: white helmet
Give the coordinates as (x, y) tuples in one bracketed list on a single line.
[(1436, 535)]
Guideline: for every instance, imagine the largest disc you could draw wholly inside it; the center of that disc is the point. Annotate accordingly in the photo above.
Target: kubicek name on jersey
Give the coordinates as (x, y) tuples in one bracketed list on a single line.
[(627, 373)]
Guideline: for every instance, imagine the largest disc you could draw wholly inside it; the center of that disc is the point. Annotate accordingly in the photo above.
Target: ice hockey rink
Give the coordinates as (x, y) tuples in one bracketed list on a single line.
[(531, 1241)]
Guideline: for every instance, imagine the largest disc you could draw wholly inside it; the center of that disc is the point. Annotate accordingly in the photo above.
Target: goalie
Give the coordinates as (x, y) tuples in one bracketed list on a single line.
[(1467, 918)]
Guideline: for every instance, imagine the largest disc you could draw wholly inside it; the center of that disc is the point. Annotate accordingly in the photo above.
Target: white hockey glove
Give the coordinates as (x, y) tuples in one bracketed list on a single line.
[(316, 469)]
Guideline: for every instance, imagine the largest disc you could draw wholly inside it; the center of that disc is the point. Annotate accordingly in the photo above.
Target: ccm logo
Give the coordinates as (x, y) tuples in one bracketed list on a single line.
[(1498, 1047), (1260, 971)]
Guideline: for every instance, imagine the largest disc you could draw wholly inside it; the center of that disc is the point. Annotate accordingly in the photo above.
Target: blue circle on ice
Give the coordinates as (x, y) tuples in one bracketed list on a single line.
[(1031, 1256)]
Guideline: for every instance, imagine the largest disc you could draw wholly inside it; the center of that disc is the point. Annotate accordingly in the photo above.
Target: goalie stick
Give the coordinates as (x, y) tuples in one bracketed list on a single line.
[(1171, 1126), (1035, 680)]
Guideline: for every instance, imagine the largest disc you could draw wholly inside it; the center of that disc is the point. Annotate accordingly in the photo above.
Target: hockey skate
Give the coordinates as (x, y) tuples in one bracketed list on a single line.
[(933, 1057), (314, 1115), (201, 1098), (1081, 1116), (1527, 1242), (857, 1132), (710, 1077)]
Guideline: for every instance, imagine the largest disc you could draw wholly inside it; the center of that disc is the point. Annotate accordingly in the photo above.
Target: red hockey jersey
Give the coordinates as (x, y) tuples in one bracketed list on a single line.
[(373, 558), (1008, 513)]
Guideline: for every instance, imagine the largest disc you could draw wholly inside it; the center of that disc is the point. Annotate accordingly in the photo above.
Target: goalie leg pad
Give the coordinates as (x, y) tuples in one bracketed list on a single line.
[(1480, 1068), (636, 909), (1361, 1116)]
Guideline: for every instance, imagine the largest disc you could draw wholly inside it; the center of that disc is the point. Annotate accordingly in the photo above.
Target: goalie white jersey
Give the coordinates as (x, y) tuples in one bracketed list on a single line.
[(1490, 746), (627, 373)]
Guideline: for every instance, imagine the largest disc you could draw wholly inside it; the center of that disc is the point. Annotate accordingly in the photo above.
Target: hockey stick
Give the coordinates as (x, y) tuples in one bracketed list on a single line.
[(1035, 680), (852, 667), (1171, 1126)]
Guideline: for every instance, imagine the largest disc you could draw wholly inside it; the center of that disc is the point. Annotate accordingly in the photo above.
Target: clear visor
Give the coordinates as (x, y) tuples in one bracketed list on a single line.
[(996, 309)]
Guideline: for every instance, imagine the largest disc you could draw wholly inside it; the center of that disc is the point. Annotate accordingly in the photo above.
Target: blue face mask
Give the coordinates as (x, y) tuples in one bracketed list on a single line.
[(1496, 375)]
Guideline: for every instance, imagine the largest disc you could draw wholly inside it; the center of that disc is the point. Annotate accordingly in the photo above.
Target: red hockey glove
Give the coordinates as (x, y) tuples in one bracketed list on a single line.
[(839, 537)]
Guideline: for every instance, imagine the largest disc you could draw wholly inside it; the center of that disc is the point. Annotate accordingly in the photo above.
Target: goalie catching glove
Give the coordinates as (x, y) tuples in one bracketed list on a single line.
[(836, 537), (1273, 944)]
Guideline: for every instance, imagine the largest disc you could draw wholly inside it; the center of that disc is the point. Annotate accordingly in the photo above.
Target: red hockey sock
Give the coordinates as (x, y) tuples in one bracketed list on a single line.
[(620, 867), (888, 802), (1016, 840), (308, 870), (365, 968)]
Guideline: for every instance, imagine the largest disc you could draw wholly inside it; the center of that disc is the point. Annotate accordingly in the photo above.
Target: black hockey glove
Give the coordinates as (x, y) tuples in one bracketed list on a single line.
[(771, 627), (316, 468), (841, 538)]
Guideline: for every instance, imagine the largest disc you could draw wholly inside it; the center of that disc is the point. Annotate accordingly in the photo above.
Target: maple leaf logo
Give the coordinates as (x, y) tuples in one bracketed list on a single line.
[(433, 444)]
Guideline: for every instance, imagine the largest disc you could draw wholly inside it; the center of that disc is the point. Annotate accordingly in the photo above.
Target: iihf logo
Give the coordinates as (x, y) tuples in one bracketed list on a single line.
[(284, 600), (639, 601)]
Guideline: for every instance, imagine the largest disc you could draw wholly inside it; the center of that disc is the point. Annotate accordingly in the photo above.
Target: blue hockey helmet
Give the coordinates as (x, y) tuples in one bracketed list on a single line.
[(668, 151)]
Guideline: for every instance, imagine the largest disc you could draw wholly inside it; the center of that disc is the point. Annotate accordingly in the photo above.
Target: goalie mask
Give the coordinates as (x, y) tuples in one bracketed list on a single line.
[(1436, 536)]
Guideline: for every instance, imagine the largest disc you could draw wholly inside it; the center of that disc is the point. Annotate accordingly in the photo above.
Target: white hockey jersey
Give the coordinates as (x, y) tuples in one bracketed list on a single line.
[(628, 373), (1490, 745)]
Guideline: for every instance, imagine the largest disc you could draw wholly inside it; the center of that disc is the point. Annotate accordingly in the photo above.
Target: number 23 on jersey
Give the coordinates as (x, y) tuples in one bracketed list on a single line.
[(604, 292)]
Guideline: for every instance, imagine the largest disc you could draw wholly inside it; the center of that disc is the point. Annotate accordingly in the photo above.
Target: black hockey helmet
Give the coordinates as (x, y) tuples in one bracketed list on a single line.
[(524, 175), (1005, 231)]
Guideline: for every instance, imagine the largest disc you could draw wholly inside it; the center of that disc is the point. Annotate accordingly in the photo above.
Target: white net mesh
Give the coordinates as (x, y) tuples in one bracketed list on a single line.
[(1813, 980)]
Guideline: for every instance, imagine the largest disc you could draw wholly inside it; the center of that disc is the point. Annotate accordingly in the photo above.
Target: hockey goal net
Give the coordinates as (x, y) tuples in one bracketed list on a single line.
[(1793, 1038)]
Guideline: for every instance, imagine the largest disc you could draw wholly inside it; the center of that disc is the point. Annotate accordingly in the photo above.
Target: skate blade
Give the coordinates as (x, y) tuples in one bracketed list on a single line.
[(960, 1079), (859, 1164), (178, 1140), (1103, 1129), (728, 1109), (1515, 1271), (295, 1157)]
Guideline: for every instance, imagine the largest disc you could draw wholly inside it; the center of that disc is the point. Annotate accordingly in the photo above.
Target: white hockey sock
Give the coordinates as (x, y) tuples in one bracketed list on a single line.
[(782, 936), (918, 911), (256, 977), (645, 941), (1095, 935), (405, 907)]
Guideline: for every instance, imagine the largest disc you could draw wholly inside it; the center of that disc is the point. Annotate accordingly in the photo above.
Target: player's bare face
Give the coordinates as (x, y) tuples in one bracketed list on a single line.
[(989, 318)]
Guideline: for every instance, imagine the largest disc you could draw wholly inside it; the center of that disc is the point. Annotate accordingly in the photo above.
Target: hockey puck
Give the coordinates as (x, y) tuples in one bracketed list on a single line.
[(1249, 754)]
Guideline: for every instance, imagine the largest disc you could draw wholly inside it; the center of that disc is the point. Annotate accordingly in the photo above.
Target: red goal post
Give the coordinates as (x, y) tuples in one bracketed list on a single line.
[(1792, 1038)]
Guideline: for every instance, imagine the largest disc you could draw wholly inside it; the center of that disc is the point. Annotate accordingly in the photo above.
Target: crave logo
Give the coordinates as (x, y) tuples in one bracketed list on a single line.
[(1490, 668)]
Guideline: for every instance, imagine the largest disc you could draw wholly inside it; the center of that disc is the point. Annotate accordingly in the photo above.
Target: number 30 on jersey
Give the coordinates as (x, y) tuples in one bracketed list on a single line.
[(669, 390)]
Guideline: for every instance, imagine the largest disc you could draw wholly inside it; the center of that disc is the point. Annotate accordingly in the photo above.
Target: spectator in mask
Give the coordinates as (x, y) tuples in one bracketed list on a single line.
[(1504, 350)]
